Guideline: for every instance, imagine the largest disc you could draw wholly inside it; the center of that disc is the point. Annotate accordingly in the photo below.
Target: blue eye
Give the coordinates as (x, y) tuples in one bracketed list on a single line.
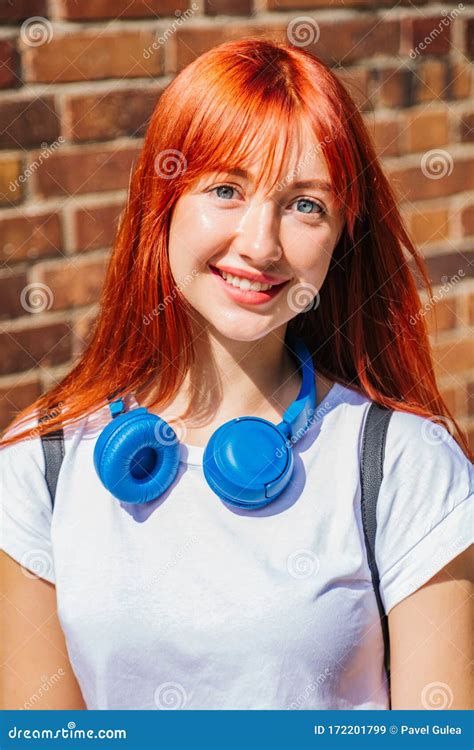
[(223, 187), (311, 203)]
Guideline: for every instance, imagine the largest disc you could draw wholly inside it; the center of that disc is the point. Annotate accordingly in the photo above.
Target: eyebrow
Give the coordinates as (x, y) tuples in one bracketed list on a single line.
[(322, 184)]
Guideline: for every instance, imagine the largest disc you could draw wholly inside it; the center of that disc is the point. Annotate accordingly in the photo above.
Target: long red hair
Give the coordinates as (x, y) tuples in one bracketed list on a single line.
[(241, 99)]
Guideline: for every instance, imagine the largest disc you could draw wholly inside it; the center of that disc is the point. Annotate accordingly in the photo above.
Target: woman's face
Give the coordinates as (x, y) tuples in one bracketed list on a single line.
[(288, 235)]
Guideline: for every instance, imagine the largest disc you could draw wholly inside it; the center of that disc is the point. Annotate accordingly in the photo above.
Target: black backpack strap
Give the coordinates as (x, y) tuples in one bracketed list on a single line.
[(53, 449), (373, 451)]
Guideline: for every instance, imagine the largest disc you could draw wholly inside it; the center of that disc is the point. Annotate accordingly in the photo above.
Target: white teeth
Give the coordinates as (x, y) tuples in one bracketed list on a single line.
[(254, 286)]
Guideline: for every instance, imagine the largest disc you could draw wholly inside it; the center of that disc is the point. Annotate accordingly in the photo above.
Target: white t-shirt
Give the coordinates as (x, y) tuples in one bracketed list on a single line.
[(190, 603)]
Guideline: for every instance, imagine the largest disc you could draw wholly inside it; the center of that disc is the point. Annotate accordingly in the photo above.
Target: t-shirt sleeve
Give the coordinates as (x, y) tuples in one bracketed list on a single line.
[(424, 510), (25, 506)]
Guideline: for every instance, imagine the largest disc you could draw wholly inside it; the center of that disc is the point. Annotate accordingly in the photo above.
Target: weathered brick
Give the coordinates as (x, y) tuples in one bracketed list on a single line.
[(412, 184), (466, 127), (431, 79), (443, 267), (9, 61), (11, 287), (357, 82), (38, 345), (73, 282), (469, 37), (28, 122), (392, 87), (96, 9), (424, 129), (11, 188), (16, 397), (105, 116), (90, 55), (460, 79), (68, 172), (441, 316), (19, 10), (83, 328), (425, 35), (429, 225), (228, 7), (467, 220), (29, 236), (454, 355), (384, 131), (94, 227)]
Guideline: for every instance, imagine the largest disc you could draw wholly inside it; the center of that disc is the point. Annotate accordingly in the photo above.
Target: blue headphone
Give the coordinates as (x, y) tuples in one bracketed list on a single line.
[(247, 461)]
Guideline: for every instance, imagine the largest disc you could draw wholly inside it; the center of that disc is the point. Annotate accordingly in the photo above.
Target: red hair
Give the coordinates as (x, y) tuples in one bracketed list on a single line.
[(367, 331)]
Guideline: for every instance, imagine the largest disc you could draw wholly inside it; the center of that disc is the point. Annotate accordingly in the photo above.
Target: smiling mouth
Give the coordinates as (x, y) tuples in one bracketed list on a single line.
[(244, 285)]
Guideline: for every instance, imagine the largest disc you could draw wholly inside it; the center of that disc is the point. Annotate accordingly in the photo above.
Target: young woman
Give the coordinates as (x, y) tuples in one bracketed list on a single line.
[(208, 590)]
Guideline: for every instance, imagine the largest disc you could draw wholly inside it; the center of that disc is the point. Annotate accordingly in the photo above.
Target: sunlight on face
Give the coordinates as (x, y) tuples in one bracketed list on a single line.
[(288, 233)]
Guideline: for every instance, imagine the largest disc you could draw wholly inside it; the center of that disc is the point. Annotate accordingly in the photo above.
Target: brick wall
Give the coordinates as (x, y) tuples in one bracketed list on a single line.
[(79, 86)]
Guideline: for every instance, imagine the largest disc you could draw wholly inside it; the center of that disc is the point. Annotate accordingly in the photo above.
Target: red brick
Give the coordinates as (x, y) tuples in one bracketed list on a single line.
[(11, 189), (469, 37), (313, 4), (384, 131), (68, 172), (453, 356), (429, 225), (467, 127), (92, 9), (459, 80), (8, 64), (92, 55), (411, 184), (29, 236), (40, 345), (441, 314), (73, 282), (228, 7), (392, 87), (95, 227), (337, 41), (424, 130), (445, 267), (105, 116), (11, 287), (15, 398), (467, 220), (28, 122), (357, 82), (83, 328), (426, 35), (18, 10), (431, 80)]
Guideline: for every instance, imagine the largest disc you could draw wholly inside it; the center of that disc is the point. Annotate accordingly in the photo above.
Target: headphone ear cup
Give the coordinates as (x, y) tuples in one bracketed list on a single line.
[(136, 456)]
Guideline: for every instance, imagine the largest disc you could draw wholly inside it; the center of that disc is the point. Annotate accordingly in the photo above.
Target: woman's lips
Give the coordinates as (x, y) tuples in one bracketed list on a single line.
[(247, 296)]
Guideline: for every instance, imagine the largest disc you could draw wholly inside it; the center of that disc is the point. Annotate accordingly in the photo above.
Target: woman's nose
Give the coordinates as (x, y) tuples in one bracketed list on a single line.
[(258, 234)]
